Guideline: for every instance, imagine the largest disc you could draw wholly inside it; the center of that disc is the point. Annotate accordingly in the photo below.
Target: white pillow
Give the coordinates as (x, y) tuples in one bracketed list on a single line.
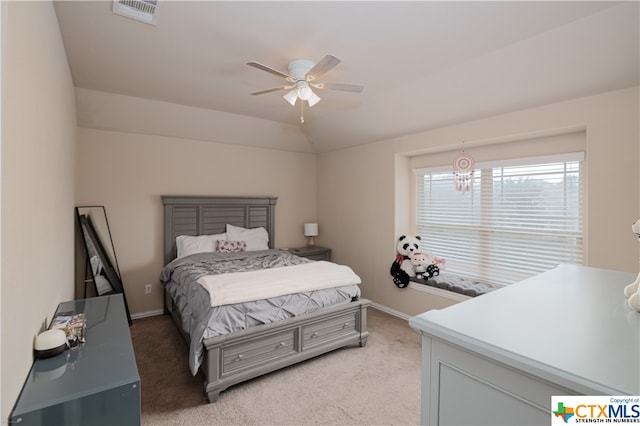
[(187, 244), (256, 238)]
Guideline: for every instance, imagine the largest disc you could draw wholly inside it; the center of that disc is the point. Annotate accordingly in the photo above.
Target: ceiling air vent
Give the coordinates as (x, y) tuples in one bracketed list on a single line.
[(140, 10)]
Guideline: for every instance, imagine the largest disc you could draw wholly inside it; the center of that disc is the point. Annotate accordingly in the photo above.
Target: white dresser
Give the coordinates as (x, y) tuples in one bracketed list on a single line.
[(498, 358)]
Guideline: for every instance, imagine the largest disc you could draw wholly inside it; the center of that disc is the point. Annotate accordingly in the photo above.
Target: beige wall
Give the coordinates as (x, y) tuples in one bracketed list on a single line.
[(363, 200), (127, 173), (362, 197), (38, 161)]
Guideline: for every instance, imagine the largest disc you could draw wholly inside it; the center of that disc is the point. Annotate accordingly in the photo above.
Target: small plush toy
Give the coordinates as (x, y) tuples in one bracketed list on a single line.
[(426, 265), (440, 263), (421, 262), (401, 268), (433, 270)]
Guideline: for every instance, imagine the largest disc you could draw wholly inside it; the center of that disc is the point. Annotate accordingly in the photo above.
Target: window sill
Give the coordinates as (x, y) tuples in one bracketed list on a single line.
[(457, 285)]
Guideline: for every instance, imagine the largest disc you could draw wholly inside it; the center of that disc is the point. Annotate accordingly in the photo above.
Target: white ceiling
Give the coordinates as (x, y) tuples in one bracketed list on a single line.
[(424, 64)]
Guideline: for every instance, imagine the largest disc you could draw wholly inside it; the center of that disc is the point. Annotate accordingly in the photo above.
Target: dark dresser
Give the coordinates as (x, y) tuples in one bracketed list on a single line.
[(96, 383)]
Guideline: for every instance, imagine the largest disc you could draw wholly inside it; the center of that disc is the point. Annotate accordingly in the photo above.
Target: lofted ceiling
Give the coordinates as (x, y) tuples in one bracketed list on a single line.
[(424, 64)]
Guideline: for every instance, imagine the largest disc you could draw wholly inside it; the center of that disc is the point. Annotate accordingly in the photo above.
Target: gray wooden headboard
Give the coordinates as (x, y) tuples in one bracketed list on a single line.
[(198, 215)]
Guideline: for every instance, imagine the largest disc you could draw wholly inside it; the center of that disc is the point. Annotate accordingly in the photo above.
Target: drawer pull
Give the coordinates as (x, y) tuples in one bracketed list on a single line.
[(315, 334), (346, 324), (240, 357), (282, 344)]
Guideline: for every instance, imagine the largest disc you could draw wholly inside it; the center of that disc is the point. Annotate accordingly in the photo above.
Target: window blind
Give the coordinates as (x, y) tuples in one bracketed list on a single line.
[(521, 217)]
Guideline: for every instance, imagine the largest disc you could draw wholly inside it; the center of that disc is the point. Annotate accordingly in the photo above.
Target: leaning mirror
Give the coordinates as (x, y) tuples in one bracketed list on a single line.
[(101, 264)]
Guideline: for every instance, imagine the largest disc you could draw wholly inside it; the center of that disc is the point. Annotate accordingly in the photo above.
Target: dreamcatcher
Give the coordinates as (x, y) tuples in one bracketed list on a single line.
[(463, 171)]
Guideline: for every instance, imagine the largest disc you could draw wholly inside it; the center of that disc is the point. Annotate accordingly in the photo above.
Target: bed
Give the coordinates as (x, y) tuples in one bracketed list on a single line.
[(233, 342)]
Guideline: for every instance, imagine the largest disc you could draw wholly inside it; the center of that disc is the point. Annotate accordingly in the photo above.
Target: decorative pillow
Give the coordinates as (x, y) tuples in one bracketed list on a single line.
[(256, 238), (187, 244), (227, 246)]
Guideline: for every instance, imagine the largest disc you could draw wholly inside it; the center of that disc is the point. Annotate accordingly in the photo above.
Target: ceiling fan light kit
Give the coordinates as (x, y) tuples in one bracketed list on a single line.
[(304, 92), (301, 78), (291, 97), (313, 99)]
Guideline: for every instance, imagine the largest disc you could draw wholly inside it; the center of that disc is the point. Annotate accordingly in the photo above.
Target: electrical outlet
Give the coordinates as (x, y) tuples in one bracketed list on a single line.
[(147, 289)]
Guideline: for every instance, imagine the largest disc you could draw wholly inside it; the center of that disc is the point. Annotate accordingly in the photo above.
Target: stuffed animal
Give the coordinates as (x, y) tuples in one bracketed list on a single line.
[(401, 268), (440, 263), (421, 261), (426, 265), (433, 270)]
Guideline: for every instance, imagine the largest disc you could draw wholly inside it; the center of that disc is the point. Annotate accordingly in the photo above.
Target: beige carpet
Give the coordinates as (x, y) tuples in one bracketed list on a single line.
[(375, 385)]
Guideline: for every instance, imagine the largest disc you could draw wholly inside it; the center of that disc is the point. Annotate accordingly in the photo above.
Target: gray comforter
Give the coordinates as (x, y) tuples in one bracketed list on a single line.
[(202, 321)]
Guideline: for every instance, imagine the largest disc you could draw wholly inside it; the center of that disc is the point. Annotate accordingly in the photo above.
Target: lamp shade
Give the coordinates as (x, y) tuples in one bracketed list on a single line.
[(310, 229), (314, 99), (305, 92), (291, 97)]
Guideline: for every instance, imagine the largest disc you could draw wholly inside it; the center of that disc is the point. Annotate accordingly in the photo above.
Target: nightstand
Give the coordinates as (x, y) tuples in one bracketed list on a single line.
[(313, 253)]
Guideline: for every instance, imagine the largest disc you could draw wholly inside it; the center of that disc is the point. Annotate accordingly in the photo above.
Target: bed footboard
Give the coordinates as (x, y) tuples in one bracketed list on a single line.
[(240, 356)]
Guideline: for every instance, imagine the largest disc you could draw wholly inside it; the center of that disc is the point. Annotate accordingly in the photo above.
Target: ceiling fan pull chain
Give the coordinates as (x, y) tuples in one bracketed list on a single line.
[(301, 111)]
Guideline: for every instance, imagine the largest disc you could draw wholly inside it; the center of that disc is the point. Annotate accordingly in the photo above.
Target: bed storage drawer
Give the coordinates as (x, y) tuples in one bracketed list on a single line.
[(235, 357), (257, 351), (333, 329)]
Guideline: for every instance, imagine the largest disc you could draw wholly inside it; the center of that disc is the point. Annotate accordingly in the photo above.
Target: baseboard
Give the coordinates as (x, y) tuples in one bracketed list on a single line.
[(147, 314), (450, 295), (390, 311)]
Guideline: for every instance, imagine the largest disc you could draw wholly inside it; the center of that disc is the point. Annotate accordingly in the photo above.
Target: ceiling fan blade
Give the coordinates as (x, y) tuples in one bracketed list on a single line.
[(347, 87), (273, 89), (268, 69), (325, 64)]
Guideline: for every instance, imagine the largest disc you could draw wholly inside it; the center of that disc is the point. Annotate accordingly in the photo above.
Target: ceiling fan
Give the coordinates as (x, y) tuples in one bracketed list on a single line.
[(302, 79)]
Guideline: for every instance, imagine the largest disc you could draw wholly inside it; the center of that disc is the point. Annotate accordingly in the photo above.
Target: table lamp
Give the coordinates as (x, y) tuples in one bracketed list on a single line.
[(311, 232)]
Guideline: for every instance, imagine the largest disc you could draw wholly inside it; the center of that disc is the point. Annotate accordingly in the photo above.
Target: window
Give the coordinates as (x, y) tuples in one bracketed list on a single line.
[(521, 217)]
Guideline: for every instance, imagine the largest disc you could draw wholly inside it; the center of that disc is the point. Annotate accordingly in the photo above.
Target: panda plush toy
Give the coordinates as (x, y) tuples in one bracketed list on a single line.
[(402, 269)]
